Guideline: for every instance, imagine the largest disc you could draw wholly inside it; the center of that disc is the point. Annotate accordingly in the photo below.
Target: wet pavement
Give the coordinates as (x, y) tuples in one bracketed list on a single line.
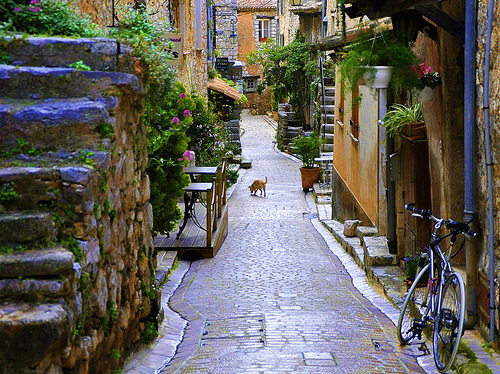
[(276, 298)]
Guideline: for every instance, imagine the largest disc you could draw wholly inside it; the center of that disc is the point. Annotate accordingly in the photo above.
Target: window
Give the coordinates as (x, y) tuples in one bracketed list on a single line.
[(264, 29), (251, 84), (354, 121)]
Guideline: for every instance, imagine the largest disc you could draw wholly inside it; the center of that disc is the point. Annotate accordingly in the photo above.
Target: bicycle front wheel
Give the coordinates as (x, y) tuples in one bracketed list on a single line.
[(415, 308), (449, 323)]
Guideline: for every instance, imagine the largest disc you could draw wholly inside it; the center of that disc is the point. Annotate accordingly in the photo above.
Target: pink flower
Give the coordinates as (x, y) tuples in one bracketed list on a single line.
[(187, 155), (175, 121), (16, 9), (34, 1), (183, 95), (34, 9), (187, 113)]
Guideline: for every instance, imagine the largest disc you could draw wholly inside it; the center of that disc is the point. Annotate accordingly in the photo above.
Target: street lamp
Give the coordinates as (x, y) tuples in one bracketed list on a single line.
[(233, 37), (296, 2)]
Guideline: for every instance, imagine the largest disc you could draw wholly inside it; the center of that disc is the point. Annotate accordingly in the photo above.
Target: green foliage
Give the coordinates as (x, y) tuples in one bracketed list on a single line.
[(307, 147), (411, 264), (209, 138), (73, 246), (21, 147), (146, 36), (287, 70), (167, 118), (8, 192), (372, 48), (80, 66), (401, 116), (38, 17), (106, 130), (150, 332), (85, 157)]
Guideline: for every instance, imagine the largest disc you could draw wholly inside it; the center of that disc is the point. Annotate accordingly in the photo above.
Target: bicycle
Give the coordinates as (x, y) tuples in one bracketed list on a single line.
[(437, 295)]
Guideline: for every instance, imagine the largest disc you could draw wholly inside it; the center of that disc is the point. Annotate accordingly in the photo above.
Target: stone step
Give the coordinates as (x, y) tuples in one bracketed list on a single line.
[(328, 108), (327, 135), (377, 252), (327, 127), (33, 289), (58, 82), (36, 262), (98, 53), (327, 147), (31, 331), (328, 99), (26, 227), (44, 186), (52, 124)]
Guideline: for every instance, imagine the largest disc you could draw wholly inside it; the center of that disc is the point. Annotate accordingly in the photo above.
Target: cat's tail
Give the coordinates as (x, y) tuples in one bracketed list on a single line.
[(265, 181)]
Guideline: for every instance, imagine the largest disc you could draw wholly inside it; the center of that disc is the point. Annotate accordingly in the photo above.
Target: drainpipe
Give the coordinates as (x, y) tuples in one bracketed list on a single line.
[(391, 185), (489, 167), (471, 260)]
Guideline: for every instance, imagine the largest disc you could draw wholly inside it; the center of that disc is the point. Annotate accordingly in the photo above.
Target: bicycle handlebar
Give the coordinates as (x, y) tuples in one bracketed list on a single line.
[(453, 226)]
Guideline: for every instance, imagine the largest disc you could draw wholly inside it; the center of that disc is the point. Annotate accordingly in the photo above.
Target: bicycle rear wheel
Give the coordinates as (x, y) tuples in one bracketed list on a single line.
[(415, 306), (449, 323)]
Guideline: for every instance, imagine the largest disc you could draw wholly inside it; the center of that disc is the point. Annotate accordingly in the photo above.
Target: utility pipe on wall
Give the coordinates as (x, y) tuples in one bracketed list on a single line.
[(489, 168), (469, 152)]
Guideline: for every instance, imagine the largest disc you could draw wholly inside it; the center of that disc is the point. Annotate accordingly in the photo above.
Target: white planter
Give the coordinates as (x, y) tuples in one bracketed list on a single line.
[(427, 94), (383, 76)]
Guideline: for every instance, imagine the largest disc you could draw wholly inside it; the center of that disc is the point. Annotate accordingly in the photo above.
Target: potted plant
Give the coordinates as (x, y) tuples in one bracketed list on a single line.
[(370, 50), (307, 148), (405, 120), (428, 81), (411, 266)]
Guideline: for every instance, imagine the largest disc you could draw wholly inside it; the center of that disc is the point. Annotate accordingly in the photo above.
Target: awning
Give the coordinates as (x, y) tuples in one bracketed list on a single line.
[(219, 85)]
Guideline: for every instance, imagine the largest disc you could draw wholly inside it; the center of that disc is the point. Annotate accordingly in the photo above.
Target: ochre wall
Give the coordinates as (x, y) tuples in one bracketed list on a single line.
[(357, 162)]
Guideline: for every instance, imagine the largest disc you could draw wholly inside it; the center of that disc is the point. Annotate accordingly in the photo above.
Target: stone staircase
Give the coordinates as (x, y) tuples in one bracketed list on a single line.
[(327, 121), (66, 189)]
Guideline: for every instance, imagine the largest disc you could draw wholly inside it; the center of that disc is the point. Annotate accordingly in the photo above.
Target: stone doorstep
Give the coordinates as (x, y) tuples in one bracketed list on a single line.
[(377, 252), (25, 227)]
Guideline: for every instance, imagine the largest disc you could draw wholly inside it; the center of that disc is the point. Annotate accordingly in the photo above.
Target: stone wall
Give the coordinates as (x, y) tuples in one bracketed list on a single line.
[(494, 101), (77, 261)]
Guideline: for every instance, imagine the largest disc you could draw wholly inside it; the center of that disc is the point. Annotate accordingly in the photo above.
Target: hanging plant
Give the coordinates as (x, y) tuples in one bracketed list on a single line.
[(400, 119), (378, 48)]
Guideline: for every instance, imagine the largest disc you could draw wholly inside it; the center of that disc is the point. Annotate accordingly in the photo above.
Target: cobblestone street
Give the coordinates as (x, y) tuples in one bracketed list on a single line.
[(275, 299)]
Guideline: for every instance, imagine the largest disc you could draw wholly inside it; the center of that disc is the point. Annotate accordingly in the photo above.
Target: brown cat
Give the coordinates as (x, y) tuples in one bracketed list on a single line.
[(258, 184)]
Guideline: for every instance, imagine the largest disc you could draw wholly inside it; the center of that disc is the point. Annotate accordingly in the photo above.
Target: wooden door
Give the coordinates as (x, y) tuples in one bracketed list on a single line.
[(414, 171)]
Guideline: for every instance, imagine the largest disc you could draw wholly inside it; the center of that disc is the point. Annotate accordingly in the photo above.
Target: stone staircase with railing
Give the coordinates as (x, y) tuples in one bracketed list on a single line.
[(75, 251), (327, 111)]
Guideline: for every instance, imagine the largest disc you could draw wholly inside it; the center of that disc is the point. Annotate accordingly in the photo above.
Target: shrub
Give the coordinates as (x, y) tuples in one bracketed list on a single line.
[(49, 17)]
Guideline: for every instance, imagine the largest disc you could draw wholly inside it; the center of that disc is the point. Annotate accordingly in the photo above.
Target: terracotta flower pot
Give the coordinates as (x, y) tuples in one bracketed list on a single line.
[(309, 177)]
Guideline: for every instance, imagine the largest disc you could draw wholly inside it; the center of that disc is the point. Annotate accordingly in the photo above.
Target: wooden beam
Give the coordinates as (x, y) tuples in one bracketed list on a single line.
[(375, 9), (443, 20)]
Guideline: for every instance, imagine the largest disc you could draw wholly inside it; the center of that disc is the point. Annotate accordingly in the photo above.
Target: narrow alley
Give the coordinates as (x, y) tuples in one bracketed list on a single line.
[(275, 299)]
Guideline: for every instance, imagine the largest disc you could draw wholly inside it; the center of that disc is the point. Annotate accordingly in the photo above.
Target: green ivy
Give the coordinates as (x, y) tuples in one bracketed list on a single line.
[(8, 192)]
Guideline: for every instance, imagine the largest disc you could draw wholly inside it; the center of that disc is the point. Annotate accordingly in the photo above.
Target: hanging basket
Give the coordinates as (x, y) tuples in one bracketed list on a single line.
[(427, 94), (382, 77)]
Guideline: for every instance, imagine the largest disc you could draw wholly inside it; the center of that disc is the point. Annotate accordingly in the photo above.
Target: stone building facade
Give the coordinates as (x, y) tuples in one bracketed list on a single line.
[(188, 17)]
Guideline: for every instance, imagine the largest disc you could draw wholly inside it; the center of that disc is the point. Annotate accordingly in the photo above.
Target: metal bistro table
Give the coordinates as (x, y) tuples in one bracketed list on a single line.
[(326, 161), (193, 192)]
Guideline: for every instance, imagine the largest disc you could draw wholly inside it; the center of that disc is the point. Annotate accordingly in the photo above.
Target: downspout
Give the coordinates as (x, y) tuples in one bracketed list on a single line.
[(489, 167), (471, 260)]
